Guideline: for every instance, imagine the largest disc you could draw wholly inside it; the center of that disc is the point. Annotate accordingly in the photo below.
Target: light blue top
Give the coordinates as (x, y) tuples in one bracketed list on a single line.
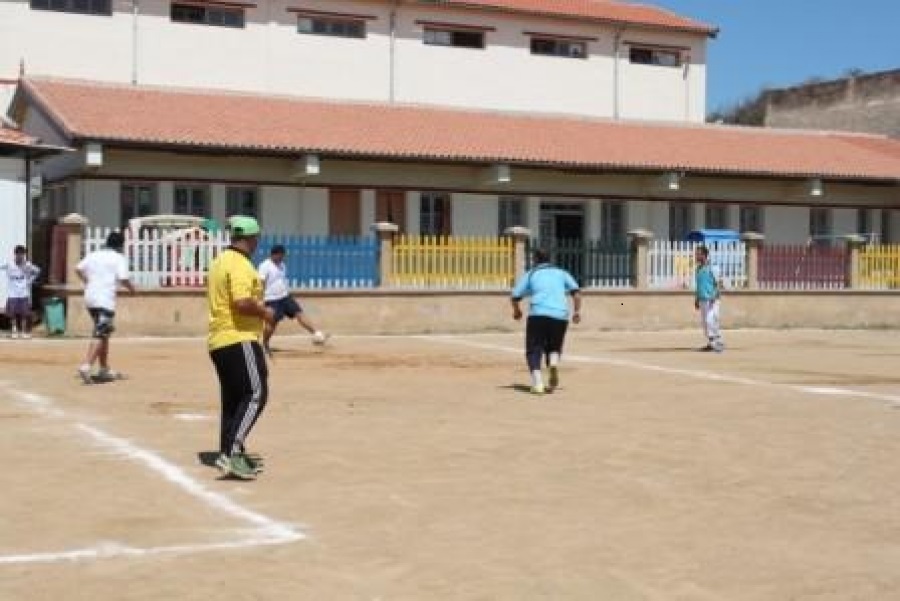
[(707, 288), (547, 286)]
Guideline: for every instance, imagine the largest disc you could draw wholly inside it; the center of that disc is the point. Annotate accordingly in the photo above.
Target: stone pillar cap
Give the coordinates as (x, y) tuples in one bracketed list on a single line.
[(641, 234), (752, 237), (74, 219), (854, 239), (517, 230), (385, 226)]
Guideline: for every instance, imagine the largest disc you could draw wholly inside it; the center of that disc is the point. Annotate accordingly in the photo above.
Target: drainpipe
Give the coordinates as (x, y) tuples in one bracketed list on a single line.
[(28, 228), (687, 86), (135, 12), (392, 52), (617, 46)]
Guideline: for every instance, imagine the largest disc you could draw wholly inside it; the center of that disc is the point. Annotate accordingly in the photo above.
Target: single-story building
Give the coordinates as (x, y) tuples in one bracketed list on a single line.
[(335, 167)]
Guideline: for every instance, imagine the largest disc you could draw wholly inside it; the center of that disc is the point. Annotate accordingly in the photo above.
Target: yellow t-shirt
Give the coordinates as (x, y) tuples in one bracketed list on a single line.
[(232, 277)]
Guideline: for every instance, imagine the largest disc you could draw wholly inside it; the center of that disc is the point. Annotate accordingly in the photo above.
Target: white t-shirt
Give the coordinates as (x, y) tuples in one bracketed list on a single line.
[(20, 278), (274, 279), (104, 269)]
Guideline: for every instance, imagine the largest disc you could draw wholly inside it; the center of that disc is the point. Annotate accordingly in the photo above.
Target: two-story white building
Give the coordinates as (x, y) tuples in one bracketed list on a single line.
[(577, 119)]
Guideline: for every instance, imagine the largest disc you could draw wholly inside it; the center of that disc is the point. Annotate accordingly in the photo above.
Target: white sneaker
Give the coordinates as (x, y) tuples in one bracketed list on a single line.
[(14, 334), (109, 375), (320, 338), (85, 373), (26, 336)]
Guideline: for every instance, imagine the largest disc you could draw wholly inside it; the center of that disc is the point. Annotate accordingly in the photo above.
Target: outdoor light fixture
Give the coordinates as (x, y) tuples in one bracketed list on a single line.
[(816, 187), (93, 155), (502, 173), (672, 181), (306, 166), (311, 164)]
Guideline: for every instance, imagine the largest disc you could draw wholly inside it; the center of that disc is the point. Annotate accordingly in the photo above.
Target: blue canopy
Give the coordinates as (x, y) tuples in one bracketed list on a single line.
[(707, 236)]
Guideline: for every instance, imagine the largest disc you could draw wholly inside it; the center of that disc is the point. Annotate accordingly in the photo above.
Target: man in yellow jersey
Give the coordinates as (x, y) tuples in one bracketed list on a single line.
[(237, 315)]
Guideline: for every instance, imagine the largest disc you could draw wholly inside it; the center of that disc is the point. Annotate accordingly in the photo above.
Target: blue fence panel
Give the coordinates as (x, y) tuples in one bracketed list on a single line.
[(326, 261)]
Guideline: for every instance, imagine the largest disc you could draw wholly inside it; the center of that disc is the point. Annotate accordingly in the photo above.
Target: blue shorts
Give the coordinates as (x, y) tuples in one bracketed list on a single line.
[(285, 307)]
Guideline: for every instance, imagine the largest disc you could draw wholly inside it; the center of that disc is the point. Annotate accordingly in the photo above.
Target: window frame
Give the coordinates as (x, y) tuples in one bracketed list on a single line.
[(453, 31), (558, 41), (716, 209), (231, 201), (331, 21), (207, 10), (511, 212), (439, 217), (207, 199), (759, 217), (819, 237), (153, 189), (654, 53), (688, 222), (48, 5), (609, 233)]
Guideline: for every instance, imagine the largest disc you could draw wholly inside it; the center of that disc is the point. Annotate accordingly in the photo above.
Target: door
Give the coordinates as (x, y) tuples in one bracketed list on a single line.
[(344, 212), (390, 206), (562, 233)]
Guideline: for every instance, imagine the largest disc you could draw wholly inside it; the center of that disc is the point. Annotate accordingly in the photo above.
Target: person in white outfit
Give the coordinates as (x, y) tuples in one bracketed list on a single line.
[(278, 297), (102, 272), (21, 275)]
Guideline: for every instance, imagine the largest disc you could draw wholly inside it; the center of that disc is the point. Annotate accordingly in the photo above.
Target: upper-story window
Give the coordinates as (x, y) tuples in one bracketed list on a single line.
[(547, 45), (649, 55), (460, 36), (343, 27), (83, 7), (219, 16)]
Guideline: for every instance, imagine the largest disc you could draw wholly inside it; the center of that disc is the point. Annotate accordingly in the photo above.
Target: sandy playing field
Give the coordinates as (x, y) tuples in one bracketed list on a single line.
[(421, 469)]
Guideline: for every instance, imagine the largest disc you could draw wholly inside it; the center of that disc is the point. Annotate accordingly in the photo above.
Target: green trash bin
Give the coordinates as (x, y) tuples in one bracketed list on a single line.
[(55, 316)]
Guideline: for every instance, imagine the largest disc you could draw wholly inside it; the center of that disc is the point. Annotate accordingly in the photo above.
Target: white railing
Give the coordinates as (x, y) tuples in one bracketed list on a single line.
[(672, 264), (161, 258)]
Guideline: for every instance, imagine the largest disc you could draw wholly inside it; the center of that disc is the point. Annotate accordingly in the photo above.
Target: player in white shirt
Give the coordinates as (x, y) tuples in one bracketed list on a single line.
[(272, 272), (20, 274), (102, 272)]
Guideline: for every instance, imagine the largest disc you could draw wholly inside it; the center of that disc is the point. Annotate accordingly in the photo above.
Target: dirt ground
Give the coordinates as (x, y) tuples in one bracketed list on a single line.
[(410, 468)]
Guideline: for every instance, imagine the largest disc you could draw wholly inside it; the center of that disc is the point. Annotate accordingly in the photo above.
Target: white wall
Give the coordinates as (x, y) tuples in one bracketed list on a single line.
[(12, 200), (268, 55), (281, 209), (313, 211), (786, 225), (475, 215), (98, 200), (366, 211)]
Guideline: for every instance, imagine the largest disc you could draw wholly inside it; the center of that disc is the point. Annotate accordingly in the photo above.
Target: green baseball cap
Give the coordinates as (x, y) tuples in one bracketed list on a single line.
[(243, 226)]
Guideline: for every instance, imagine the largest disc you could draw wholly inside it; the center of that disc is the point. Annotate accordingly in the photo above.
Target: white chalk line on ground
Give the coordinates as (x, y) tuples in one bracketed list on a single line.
[(892, 400), (264, 530)]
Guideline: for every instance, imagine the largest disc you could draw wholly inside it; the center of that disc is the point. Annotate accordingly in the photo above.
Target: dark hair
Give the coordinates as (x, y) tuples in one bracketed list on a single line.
[(540, 255), (115, 241), (278, 249), (703, 250), (20, 250)]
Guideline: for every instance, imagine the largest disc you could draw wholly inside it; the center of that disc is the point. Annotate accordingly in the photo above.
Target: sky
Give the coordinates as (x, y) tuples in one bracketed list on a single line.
[(781, 43)]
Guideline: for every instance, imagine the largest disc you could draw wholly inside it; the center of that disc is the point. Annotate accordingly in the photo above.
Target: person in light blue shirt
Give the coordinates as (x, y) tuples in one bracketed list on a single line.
[(548, 289), (706, 299)]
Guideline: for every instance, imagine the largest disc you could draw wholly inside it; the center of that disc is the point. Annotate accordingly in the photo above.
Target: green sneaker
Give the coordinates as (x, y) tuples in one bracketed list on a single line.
[(256, 462), (223, 462), (240, 467), (554, 377)]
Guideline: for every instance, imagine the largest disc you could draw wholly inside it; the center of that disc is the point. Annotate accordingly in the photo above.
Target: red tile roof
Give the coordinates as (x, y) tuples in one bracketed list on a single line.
[(610, 11), (14, 137), (254, 124)]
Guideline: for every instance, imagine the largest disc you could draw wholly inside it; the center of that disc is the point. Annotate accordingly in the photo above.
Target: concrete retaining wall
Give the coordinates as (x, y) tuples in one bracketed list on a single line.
[(172, 313)]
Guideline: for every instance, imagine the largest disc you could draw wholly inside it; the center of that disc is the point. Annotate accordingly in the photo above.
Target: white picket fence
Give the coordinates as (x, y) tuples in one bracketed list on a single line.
[(672, 264), (162, 259)]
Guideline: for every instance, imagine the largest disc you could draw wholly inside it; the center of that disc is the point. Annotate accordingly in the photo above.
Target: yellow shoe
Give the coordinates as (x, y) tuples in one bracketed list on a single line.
[(537, 390), (554, 378)]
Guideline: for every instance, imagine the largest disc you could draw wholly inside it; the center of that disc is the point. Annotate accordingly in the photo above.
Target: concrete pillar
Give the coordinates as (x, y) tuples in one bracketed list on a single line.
[(520, 236), (67, 249), (852, 272), (640, 252), (752, 243), (385, 232)]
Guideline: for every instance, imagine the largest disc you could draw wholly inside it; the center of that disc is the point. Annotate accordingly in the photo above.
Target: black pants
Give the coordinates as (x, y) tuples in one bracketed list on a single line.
[(244, 389), (543, 335)]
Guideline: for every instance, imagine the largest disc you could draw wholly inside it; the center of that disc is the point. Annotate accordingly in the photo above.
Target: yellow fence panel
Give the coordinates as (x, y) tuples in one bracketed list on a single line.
[(879, 267), (470, 262)]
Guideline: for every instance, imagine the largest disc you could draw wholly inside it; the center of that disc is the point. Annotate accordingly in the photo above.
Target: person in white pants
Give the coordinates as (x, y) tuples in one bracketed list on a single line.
[(707, 295)]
